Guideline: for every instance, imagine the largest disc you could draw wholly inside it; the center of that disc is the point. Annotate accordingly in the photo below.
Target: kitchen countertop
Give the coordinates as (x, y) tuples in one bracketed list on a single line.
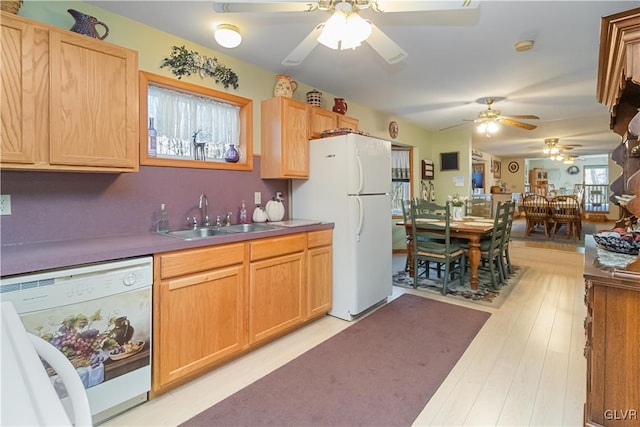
[(37, 256)]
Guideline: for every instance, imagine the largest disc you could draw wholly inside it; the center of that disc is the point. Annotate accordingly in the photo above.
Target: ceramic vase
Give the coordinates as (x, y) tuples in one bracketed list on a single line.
[(314, 98), (285, 86), (457, 213), (231, 155)]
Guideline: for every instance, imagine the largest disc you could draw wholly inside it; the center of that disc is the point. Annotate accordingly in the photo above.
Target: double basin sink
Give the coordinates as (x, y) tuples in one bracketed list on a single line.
[(209, 232)]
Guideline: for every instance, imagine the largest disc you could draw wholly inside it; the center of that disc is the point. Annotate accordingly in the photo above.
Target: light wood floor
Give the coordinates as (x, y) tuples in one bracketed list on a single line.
[(525, 367)]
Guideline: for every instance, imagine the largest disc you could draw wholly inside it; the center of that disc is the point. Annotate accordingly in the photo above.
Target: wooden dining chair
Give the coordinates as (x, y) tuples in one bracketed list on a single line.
[(430, 230), (505, 258), (565, 210), (536, 212), (491, 247), (479, 206)]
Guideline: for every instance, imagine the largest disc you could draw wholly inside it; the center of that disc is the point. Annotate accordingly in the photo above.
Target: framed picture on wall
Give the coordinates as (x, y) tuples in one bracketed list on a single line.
[(497, 169), (449, 161)]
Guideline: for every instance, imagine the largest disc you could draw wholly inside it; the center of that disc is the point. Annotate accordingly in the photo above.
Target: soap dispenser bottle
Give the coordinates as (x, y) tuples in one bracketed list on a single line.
[(243, 214), (163, 219)]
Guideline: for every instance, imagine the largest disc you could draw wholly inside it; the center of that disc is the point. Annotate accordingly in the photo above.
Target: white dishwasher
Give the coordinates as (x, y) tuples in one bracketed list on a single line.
[(99, 317)]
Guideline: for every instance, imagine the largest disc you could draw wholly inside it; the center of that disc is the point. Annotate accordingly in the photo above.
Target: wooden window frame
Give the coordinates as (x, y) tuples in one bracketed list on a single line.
[(246, 123)]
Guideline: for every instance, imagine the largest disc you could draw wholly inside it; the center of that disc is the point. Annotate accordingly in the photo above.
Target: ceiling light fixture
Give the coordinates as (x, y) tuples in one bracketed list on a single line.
[(227, 35), (524, 45), (488, 127), (551, 146), (345, 29)]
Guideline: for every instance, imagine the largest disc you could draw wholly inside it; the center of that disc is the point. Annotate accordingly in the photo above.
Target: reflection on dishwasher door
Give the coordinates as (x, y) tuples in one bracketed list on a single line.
[(99, 317)]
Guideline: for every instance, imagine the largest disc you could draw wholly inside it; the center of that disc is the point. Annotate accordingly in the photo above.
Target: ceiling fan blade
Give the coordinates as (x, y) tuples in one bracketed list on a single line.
[(257, 6), (387, 48), (522, 116), (422, 5), (518, 124), (304, 48)]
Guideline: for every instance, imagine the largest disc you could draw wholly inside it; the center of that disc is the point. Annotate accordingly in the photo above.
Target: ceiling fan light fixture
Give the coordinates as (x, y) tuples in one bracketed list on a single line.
[(488, 127), (344, 31), (227, 35), (333, 30), (569, 160)]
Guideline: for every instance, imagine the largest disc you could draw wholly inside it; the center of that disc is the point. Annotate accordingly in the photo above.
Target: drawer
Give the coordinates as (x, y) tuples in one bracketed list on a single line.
[(319, 238), (276, 246), (174, 264)]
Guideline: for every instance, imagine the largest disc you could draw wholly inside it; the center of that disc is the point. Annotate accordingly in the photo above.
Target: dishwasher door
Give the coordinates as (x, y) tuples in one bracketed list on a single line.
[(99, 317)]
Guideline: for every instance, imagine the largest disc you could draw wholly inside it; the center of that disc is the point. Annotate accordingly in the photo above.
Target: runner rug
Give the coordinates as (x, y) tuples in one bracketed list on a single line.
[(380, 371)]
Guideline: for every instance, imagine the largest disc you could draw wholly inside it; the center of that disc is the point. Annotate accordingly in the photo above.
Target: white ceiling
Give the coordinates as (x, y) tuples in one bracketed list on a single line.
[(455, 57)]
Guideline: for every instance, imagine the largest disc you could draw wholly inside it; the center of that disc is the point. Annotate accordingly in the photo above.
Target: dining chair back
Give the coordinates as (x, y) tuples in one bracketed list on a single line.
[(491, 249), (505, 259), (431, 234), (566, 210), (536, 211), (479, 206)]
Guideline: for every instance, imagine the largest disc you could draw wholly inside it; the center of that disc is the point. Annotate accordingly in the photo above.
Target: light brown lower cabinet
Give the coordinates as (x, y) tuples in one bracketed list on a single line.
[(276, 285), (319, 273), (215, 303), (198, 316)]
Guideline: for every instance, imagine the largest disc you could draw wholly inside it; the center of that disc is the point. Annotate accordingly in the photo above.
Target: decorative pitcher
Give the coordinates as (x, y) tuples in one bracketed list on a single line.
[(340, 106), (86, 24), (285, 86)]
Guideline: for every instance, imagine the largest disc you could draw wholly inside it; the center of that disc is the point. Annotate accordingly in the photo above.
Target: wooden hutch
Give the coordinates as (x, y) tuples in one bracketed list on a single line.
[(612, 289)]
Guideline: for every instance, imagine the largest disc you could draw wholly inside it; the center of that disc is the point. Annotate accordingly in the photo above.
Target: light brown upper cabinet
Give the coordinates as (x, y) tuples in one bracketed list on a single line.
[(69, 103), (322, 120), (285, 138), (204, 136)]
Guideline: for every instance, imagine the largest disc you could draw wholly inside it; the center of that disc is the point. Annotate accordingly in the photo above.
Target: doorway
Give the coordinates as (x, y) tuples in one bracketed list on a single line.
[(477, 178)]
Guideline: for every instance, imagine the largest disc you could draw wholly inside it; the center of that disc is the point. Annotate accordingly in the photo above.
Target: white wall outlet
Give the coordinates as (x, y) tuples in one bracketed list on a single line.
[(257, 197), (5, 204)]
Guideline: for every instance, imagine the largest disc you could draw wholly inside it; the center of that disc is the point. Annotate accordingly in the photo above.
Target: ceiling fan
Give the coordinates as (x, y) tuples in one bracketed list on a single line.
[(556, 151), (488, 119), (345, 18)]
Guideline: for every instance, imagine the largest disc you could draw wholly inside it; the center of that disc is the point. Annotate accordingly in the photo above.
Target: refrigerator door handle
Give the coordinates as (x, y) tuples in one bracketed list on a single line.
[(360, 174), (360, 218)]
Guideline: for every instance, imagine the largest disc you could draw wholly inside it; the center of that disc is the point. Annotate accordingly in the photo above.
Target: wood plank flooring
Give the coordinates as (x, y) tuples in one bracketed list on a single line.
[(525, 367)]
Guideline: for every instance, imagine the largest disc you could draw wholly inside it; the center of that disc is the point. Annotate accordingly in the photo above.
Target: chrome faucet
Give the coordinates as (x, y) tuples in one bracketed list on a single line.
[(204, 216)]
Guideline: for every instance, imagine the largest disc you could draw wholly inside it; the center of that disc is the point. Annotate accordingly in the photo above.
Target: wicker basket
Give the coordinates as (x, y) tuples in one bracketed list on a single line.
[(11, 6)]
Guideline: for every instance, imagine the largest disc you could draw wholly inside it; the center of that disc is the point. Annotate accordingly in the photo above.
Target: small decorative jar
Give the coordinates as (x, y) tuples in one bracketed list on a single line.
[(231, 155), (285, 86), (340, 106), (314, 98)]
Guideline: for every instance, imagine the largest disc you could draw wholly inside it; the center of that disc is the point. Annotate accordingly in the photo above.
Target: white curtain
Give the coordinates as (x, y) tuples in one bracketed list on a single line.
[(400, 165), (178, 116)]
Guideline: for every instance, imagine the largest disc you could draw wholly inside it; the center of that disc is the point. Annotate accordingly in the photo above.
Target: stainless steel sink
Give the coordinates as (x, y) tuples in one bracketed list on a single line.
[(196, 233), (247, 228), (209, 232)]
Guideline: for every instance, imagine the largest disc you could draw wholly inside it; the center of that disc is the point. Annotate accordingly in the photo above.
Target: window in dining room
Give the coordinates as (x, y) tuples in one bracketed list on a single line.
[(401, 177)]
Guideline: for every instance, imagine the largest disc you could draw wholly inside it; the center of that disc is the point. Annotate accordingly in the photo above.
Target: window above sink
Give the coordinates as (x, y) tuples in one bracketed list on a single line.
[(193, 125)]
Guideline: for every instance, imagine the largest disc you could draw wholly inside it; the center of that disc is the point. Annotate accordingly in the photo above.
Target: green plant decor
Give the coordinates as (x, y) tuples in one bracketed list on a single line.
[(185, 62)]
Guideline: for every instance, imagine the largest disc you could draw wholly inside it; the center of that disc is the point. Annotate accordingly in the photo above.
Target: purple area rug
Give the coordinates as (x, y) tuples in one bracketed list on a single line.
[(380, 371)]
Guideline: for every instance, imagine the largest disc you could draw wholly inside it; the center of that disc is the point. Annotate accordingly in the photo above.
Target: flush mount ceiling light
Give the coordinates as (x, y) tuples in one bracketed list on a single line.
[(227, 35), (524, 45), (345, 29)]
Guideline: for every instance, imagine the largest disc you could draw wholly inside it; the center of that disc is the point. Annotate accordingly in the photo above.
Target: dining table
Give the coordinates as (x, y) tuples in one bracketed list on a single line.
[(471, 228)]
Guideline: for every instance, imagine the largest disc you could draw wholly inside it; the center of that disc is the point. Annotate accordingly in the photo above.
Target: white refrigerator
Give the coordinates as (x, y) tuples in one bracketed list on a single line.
[(350, 184)]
